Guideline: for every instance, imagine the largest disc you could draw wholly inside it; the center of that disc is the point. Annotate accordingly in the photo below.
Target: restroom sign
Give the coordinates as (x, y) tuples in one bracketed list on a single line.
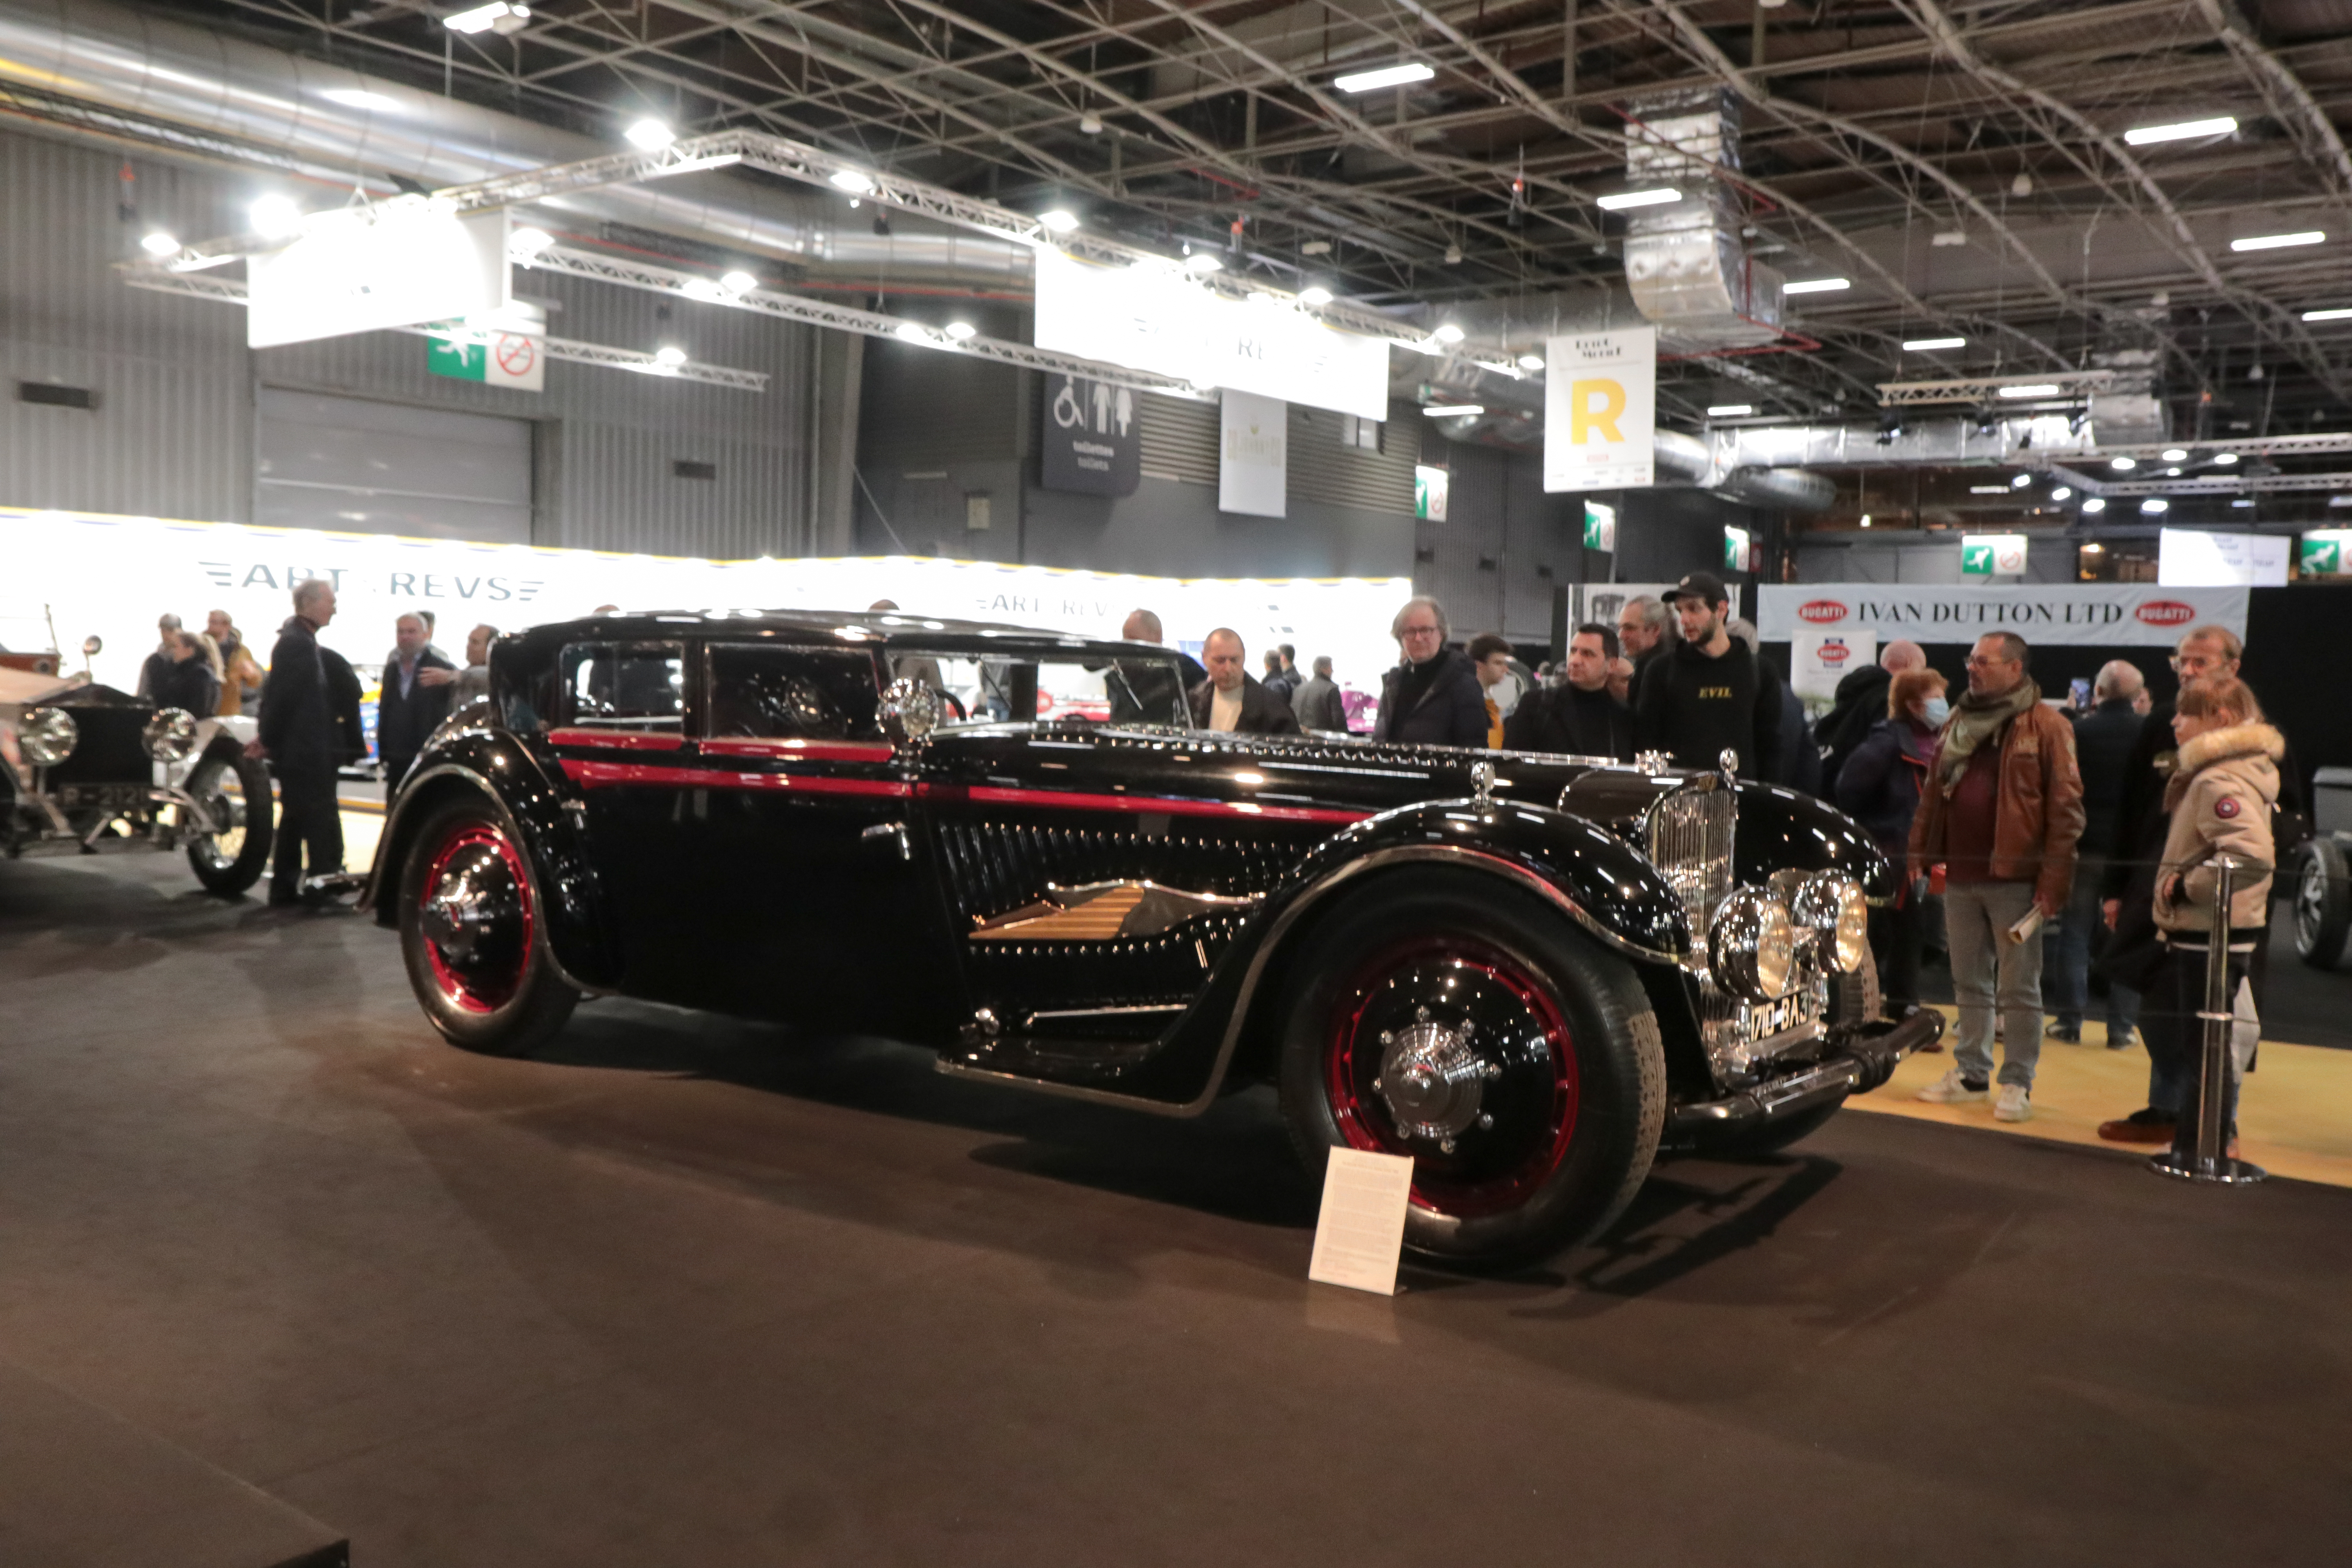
[(1601, 403)]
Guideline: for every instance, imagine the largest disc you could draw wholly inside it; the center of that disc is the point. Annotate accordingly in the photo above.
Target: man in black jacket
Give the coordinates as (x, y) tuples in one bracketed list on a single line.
[(1581, 719), (1434, 697), (1709, 695), (407, 709), (1859, 704), (298, 738), (1229, 700), (2104, 739)]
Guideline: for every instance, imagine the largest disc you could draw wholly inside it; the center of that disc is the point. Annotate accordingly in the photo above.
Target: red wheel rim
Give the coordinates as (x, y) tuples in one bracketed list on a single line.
[(1533, 1099), (484, 983)]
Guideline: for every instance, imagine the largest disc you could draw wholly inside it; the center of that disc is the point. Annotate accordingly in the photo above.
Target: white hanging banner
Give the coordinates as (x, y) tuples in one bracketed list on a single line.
[(2196, 558), (399, 264), (1819, 660), (1253, 455), (1156, 317), (2100, 615), (1600, 409)]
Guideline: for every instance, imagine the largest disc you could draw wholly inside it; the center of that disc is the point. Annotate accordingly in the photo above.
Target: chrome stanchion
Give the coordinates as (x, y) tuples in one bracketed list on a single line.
[(2211, 1161)]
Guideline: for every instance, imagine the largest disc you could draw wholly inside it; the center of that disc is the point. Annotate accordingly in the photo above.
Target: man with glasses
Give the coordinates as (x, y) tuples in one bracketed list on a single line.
[(2002, 813), (1433, 697)]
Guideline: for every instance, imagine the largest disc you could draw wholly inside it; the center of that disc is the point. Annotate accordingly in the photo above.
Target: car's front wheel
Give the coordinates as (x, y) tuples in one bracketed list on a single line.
[(2323, 905), (470, 933), (1448, 1018), (234, 789)]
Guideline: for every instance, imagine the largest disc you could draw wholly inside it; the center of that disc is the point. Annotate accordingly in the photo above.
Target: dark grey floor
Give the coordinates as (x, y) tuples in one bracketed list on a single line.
[(692, 1293)]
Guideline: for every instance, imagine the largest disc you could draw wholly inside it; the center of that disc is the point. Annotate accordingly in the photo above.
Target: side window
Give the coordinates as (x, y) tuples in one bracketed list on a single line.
[(1125, 692), (792, 693), (640, 687)]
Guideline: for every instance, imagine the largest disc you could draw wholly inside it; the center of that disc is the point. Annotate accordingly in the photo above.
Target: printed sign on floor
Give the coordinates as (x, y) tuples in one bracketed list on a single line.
[(1601, 394), (1359, 1235), (1093, 443)]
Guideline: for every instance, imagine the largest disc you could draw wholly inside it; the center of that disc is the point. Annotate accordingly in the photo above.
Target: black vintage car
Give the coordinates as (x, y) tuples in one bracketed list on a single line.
[(88, 768), (1526, 972)]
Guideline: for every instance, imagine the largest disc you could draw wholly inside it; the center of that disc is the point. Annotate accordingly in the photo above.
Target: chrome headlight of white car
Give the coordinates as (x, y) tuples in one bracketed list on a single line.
[(47, 736), (1752, 947), (1831, 912), (170, 735)]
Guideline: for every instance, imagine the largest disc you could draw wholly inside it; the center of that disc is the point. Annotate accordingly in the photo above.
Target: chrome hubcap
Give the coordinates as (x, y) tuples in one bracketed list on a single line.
[(461, 911), (1431, 1080)]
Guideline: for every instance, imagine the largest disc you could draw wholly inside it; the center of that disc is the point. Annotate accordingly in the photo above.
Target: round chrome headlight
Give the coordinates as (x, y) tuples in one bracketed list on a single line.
[(170, 735), (47, 736), (1752, 948), (1830, 910)]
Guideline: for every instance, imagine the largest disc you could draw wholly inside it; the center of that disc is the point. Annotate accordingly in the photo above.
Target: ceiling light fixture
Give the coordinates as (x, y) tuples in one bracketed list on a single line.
[(912, 334), (276, 217), (496, 16), (851, 179), (1060, 220), (2333, 313), (650, 134), (2030, 389), (1386, 75), (1651, 198), (2095, 506), (1865, 519), (1730, 410), (2280, 241), (1315, 294), (2155, 506), (962, 331), (2122, 465), (2176, 454), (2020, 481), (1448, 334), (159, 244), (1531, 361), (529, 241), (1988, 490), (1929, 345), (1090, 124), (669, 356), (2226, 459), (1440, 411), (2063, 493), (1203, 262), (1817, 286), (2184, 130), (1949, 239), (739, 282)]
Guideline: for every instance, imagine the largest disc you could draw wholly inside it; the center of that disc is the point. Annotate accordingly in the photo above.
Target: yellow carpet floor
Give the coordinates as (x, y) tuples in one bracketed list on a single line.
[(2294, 1113)]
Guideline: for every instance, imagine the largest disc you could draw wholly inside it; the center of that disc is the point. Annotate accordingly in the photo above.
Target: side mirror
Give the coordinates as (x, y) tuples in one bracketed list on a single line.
[(909, 711)]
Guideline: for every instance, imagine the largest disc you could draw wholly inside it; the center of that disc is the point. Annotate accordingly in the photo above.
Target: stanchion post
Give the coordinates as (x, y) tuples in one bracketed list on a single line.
[(2211, 1161)]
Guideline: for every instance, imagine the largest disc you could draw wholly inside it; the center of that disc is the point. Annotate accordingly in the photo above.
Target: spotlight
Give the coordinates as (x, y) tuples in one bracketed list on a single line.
[(910, 333), (1059, 221), (2122, 465), (739, 282), (2020, 481), (528, 242), (1090, 124), (2176, 454), (2226, 459), (2093, 507), (2155, 506), (962, 331), (1315, 294), (651, 136), (1203, 262), (852, 181), (1448, 334), (2063, 493), (669, 355), (498, 17), (159, 244), (276, 217), (1531, 361)]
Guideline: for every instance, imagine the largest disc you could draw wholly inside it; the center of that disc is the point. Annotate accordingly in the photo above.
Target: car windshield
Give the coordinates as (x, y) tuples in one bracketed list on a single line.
[(997, 690)]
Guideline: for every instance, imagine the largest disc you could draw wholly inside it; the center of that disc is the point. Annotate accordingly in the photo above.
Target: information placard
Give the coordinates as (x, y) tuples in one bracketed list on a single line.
[(1359, 1235), (1600, 400)]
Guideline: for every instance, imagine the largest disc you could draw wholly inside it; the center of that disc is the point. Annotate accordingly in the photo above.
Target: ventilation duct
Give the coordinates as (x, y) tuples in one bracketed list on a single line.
[(1687, 267), (1686, 459), (95, 67)]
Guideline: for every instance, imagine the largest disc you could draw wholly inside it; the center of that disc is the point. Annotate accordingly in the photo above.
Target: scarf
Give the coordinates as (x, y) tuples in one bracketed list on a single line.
[(1975, 720)]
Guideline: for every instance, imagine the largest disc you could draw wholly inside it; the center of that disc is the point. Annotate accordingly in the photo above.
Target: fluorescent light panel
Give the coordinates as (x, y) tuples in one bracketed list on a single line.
[(482, 18), (2032, 389), (1624, 199), (1929, 345), (1387, 76), (1440, 411), (1817, 286), (1730, 410), (2184, 130), (2335, 313), (2279, 241)]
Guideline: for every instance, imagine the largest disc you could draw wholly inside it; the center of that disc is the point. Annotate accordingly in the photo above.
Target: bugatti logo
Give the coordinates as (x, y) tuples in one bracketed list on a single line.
[(1821, 612), (1834, 651), (2166, 612)]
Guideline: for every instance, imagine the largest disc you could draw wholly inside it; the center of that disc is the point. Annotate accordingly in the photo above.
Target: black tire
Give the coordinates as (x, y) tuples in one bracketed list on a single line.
[(487, 981), (2322, 904), (1752, 1143), (1564, 1106), (235, 790)]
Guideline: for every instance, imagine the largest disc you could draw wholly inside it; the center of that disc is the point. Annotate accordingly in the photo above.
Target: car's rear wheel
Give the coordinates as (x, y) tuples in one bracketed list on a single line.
[(2323, 905), (1448, 1018), (472, 938), (234, 789)]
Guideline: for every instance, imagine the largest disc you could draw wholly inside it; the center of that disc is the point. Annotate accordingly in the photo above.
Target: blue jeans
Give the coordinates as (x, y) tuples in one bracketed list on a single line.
[(2069, 957)]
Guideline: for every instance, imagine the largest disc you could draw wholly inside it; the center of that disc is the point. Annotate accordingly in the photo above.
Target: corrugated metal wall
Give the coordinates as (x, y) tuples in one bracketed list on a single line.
[(174, 434), (1180, 439)]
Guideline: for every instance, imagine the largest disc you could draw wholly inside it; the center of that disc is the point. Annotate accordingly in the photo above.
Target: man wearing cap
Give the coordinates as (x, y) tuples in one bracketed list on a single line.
[(1709, 694)]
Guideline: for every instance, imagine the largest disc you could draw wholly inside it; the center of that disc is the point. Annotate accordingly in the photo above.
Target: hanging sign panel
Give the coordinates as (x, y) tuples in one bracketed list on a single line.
[(1819, 660), (1992, 555), (2195, 558), (1253, 455), (1092, 443), (2105, 615), (1601, 407), (1155, 317), (1599, 527), (397, 265)]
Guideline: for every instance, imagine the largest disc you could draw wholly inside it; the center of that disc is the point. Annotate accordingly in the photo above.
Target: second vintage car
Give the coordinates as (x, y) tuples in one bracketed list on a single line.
[(1527, 974)]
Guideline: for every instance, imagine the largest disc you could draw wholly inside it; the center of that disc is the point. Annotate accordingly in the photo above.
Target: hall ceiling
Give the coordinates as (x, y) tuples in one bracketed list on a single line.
[(1872, 127)]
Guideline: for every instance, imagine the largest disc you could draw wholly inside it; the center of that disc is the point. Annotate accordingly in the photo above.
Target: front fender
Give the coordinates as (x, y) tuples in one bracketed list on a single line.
[(1606, 885), (1781, 830), (493, 765)]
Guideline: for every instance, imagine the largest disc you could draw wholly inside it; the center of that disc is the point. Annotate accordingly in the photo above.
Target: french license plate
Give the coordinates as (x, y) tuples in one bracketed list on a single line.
[(102, 797), (1766, 1019)]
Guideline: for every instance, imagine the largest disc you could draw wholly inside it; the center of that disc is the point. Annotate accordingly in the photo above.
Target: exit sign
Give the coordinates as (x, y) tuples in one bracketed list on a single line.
[(516, 361)]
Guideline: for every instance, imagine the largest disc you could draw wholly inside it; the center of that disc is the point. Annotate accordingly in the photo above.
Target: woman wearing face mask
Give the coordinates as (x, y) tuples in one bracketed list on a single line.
[(1879, 788)]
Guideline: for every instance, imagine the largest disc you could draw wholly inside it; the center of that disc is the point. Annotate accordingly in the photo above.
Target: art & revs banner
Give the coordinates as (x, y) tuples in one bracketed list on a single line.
[(2104, 614)]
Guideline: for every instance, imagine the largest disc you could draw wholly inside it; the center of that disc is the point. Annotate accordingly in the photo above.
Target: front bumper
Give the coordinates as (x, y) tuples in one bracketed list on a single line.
[(1860, 1064)]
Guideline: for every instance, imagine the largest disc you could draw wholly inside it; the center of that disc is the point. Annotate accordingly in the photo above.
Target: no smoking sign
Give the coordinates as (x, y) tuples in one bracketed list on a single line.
[(516, 361)]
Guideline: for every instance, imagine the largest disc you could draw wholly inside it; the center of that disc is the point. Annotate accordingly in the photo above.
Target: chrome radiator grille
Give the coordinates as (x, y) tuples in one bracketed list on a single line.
[(1689, 836)]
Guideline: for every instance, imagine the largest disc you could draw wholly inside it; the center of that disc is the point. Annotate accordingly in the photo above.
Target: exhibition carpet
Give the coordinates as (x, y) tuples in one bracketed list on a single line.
[(2294, 1111), (681, 1289)]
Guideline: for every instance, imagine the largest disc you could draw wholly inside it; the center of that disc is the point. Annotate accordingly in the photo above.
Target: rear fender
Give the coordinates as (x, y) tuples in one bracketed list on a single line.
[(493, 767)]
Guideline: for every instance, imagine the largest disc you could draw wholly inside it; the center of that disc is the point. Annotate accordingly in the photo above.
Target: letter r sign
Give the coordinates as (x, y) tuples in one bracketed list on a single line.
[(1595, 405)]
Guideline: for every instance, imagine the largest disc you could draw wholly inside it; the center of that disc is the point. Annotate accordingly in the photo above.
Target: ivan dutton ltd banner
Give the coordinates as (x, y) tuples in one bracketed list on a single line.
[(2110, 614), (87, 575)]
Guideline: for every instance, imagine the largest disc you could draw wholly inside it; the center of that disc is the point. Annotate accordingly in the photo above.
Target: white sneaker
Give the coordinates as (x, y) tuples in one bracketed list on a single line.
[(2015, 1104), (1952, 1089)]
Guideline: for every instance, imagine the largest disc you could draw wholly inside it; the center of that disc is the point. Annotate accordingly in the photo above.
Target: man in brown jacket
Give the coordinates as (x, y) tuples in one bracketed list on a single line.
[(2001, 814)]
